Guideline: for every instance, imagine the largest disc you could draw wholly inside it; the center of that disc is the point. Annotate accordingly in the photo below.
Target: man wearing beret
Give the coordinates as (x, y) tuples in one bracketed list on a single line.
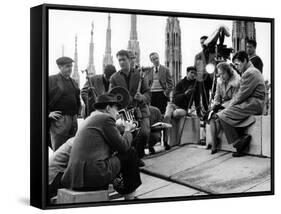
[(63, 103), (100, 153), (100, 85), (131, 78)]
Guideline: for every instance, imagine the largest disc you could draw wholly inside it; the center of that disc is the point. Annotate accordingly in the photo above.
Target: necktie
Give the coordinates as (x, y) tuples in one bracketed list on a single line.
[(156, 70)]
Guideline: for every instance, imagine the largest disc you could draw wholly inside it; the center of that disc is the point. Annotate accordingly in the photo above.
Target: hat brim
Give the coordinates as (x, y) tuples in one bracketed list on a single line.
[(99, 105)]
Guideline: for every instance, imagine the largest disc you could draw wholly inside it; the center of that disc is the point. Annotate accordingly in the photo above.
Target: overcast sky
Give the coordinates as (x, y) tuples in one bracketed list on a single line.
[(64, 25)]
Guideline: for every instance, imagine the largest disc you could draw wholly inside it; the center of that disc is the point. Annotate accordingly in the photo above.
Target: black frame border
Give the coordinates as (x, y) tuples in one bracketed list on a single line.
[(39, 52)]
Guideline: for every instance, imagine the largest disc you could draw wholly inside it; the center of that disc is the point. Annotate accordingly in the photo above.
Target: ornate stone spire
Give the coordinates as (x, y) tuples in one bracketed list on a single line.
[(133, 44), (173, 57), (107, 58), (75, 74), (91, 67), (241, 32)]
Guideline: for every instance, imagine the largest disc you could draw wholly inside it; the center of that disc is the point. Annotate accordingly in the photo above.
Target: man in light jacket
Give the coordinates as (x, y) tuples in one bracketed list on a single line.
[(248, 101)]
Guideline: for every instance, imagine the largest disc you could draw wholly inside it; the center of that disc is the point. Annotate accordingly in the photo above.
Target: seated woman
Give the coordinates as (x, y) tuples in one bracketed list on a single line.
[(227, 87)]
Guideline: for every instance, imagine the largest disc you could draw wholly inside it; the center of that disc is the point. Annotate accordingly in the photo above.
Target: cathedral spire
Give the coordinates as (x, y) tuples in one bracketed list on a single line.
[(107, 58), (173, 57), (91, 67), (75, 74), (133, 44), (242, 31), (133, 34)]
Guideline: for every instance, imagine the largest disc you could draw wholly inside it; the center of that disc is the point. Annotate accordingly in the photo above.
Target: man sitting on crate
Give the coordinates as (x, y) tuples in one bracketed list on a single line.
[(185, 94), (248, 101), (100, 155)]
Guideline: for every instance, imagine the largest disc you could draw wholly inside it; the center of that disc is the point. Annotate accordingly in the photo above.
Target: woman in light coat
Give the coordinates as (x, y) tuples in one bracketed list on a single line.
[(227, 87)]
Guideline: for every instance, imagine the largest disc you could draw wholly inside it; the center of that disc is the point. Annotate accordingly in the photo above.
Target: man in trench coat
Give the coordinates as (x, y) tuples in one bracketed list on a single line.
[(248, 101)]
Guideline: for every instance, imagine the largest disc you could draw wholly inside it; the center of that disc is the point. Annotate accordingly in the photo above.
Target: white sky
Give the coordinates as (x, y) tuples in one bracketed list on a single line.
[(64, 25)]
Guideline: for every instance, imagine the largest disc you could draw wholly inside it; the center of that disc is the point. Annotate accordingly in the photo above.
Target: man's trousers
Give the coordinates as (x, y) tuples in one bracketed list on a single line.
[(62, 129)]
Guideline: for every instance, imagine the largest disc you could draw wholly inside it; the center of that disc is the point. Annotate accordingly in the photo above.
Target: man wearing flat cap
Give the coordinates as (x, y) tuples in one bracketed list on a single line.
[(63, 103), (99, 84), (100, 153)]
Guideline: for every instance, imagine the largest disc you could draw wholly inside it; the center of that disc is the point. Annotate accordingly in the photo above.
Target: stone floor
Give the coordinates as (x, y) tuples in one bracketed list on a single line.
[(194, 166)]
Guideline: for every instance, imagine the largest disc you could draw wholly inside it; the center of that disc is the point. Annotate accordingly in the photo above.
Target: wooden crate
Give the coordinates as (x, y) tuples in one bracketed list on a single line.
[(71, 196), (256, 130), (190, 132)]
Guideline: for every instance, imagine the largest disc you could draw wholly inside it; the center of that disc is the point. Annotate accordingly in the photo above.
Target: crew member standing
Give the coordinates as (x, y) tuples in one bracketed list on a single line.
[(64, 103), (253, 57), (160, 82), (204, 79), (130, 78), (100, 85)]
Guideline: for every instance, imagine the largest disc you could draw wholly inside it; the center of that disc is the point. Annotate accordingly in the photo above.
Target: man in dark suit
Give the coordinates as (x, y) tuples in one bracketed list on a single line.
[(131, 78), (64, 103), (253, 57), (100, 85), (203, 58), (100, 153), (160, 83)]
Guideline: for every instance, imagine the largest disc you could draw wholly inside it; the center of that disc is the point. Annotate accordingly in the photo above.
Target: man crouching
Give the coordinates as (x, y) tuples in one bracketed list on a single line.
[(100, 153)]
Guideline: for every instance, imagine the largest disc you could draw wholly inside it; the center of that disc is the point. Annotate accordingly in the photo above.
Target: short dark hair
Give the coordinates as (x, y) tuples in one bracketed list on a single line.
[(109, 70), (190, 68), (241, 56), (123, 53), (203, 37), (153, 53), (252, 42)]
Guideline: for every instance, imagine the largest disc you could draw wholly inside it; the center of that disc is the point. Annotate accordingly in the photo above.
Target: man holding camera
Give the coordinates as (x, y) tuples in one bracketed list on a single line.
[(134, 81)]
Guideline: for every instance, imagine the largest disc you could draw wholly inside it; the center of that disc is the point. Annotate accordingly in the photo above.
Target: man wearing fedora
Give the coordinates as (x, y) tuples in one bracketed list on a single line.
[(131, 78), (100, 153), (64, 103)]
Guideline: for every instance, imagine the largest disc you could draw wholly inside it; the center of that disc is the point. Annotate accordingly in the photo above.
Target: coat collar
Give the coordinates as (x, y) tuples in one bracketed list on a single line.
[(97, 112), (233, 82)]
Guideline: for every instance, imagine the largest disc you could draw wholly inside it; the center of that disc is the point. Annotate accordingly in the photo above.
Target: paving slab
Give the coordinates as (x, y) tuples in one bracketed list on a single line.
[(180, 159), (153, 187), (150, 183), (264, 186), (227, 174)]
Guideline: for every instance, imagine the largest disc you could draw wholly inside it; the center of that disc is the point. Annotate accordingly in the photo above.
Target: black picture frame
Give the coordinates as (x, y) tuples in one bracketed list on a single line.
[(39, 99)]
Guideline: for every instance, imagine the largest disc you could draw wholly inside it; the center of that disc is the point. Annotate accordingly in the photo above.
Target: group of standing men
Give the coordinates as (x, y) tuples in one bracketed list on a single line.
[(99, 153)]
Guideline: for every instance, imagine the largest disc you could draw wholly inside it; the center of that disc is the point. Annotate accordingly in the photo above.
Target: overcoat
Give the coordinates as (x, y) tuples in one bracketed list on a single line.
[(92, 162), (59, 159), (118, 79), (98, 88), (56, 89), (248, 101), (224, 93)]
